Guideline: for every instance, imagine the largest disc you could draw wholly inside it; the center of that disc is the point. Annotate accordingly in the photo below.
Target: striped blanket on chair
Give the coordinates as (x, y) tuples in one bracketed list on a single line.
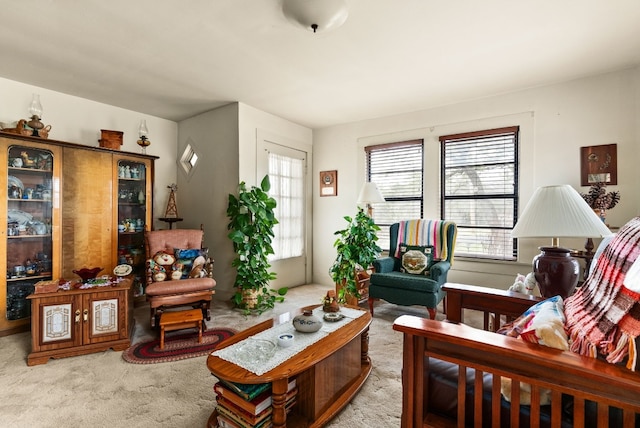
[(426, 232), (603, 316)]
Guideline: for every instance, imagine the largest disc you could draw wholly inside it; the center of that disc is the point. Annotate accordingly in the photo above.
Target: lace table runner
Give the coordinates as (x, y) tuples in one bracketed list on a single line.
[(233, 353)]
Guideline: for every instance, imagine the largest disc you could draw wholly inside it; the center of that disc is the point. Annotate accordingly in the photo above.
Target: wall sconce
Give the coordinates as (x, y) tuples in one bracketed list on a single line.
[(35, 110), (143, 132)]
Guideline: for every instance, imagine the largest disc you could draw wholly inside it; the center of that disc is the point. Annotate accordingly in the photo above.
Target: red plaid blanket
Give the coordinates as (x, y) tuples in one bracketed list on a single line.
[(603, 316)]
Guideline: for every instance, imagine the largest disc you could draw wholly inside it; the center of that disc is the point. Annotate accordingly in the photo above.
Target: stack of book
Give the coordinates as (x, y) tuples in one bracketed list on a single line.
[(248, 406)]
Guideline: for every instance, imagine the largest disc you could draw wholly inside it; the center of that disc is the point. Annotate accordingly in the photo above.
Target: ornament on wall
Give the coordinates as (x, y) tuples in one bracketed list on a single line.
[(599, 164)]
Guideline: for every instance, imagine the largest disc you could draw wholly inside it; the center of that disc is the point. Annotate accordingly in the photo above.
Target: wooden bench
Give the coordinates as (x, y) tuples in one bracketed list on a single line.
[(600, 394), (178, 320)]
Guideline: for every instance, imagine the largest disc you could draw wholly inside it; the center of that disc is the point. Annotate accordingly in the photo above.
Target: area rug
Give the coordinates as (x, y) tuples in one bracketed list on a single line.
[(177, 346)]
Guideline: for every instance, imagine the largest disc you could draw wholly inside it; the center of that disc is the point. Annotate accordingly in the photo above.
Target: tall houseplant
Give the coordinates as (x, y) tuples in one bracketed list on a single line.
[(251, 221), (356, 249)]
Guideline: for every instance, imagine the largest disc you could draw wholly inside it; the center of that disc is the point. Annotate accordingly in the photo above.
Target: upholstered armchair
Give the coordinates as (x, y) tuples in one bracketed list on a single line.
[(194, 284), (420, 256)]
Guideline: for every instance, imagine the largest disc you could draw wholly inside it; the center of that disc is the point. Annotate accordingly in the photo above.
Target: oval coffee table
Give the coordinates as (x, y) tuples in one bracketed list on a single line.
[(328, 373)]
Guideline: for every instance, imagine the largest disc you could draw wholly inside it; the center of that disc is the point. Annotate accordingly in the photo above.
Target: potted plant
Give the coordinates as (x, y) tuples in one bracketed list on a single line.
[(600, 200), (251, 221), (356, 250)]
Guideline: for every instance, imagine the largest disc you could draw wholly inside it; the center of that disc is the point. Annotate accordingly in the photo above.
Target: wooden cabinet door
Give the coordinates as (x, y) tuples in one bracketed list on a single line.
[(30, 225), (87, 211), (56, 323), (104, 316)]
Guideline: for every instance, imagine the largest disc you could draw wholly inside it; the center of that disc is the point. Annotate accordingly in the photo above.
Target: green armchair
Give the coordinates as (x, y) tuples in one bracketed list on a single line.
[(392, 283)]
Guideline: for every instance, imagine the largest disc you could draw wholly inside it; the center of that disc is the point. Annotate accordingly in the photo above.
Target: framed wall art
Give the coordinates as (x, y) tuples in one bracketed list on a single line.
[(329, 183), (599, 164)]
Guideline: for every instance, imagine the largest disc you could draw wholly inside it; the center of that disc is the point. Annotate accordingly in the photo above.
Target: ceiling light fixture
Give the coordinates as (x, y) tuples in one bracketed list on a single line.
[(316, 15)]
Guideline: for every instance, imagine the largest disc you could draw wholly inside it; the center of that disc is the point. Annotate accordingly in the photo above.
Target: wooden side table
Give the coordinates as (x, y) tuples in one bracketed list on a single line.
[(170, 220), (178, 320)]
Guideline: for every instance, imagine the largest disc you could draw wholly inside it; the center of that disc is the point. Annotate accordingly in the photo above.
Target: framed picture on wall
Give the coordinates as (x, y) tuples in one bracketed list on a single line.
[(599, 164), (329, 183)]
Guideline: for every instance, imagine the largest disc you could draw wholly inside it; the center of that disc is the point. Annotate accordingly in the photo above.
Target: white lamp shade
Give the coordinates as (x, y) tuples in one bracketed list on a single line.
[(559, 211), (370, 194), (325, 15)]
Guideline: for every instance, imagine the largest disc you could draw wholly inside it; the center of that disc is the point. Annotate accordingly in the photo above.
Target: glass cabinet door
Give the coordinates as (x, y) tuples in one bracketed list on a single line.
[(132, 219), (29, 225)]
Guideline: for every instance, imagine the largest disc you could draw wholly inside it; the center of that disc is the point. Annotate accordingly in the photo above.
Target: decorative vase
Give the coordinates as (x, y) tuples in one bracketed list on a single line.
[(306, 322), (556, 272), (601, 213)]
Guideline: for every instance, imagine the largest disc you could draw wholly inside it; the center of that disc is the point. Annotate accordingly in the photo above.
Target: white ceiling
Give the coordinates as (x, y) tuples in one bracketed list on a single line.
[(175, 59)]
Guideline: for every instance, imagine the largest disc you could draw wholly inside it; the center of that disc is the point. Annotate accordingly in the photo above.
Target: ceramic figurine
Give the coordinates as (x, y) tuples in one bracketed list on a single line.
[(330, 302)]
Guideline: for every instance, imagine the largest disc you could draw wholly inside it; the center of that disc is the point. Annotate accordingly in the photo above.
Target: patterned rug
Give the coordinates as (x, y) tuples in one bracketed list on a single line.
[(177, 346)]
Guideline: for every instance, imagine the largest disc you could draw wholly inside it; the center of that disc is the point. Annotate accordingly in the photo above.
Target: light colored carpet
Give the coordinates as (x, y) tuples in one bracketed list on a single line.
[(102, 390)]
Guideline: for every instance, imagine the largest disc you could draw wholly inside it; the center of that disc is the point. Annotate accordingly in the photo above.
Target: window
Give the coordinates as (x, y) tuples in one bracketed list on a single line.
[(189, 159), (397, 169), (479, 191), (286, 175)]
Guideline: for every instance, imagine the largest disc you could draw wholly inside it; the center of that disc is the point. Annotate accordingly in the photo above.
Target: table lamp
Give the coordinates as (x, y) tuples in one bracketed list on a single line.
[(370, 194), (557, 212)]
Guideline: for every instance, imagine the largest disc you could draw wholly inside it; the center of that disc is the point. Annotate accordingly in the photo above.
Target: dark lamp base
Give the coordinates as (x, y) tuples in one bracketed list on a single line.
[(556, 272)]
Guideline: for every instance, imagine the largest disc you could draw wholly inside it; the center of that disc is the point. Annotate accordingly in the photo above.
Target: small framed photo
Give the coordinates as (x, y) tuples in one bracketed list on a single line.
[(599, 164), (329, 183)]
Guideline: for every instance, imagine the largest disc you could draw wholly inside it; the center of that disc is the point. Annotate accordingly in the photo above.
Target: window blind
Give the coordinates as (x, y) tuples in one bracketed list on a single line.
[(479, 191)]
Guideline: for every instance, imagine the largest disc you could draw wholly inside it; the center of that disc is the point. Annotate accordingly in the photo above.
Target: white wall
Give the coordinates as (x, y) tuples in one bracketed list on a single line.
[(555, 121), (226, 141), (78, 120), (202, 196)]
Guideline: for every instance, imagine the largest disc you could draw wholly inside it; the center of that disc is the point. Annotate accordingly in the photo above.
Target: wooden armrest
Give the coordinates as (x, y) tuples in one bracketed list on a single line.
[(492, 302)]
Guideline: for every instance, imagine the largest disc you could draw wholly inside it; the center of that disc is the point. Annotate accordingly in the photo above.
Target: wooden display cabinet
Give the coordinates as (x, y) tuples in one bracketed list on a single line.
[(73, 208), (77, 322)]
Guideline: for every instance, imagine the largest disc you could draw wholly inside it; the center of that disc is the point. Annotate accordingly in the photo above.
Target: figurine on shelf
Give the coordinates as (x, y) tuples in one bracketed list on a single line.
[(127, 171), (27, 162)]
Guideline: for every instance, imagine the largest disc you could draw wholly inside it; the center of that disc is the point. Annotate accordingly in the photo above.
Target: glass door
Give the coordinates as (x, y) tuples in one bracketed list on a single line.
[(30, 211), (132, 218)]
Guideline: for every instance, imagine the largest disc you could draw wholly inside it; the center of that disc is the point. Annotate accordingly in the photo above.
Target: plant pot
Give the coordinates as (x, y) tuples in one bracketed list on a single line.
[(250, 298)]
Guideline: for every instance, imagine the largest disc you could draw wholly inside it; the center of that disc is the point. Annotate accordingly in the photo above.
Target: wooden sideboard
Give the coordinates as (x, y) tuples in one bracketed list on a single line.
[(78, 322)]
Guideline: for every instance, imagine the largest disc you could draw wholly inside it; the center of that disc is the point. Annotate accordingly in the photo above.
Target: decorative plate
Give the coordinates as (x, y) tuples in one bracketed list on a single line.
[(17, 216), (333, 316), (15, 181), (122, 270), (256, 350)]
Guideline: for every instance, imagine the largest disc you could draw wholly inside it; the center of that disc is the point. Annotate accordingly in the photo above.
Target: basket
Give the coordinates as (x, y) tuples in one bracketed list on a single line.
[(111, 139)]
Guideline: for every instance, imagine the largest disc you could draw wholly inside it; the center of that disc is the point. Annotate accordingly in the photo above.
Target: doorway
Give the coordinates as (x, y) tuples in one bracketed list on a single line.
[(287, 169)]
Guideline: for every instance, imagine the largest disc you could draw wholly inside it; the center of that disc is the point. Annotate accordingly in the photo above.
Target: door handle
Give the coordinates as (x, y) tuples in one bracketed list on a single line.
[(77, 316), (85, 315)]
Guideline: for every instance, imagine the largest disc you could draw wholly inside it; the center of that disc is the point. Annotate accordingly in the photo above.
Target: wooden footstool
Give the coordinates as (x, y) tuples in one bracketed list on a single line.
[(178, 320)]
